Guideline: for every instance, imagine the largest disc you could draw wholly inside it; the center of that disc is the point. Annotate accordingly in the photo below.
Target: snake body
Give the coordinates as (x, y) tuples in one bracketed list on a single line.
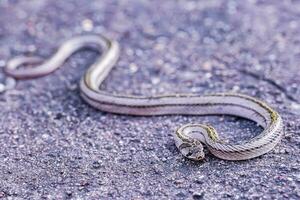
[(188, 138)]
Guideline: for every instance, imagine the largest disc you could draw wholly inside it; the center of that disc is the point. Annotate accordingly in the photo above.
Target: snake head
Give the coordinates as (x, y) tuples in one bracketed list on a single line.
[(193, 150)]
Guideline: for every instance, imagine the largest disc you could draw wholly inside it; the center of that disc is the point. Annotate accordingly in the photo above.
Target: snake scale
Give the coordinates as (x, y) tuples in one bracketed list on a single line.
[(189, 138)]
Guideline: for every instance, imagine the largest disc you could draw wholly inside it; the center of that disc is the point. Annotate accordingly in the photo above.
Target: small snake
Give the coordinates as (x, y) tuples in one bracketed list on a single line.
[(188, 138)]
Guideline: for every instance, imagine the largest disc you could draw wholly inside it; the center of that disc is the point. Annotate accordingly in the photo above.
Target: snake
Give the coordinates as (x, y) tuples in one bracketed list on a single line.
[(190, 139)]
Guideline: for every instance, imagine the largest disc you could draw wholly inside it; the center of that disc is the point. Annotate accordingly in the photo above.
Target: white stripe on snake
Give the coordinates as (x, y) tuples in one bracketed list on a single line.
[(188, 138)]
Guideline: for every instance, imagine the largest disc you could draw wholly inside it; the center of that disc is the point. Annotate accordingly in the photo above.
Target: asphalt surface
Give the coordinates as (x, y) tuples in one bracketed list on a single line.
[(55, 146)]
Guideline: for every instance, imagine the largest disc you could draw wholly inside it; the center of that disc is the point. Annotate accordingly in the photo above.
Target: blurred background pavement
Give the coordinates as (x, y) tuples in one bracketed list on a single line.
[(55, 146)]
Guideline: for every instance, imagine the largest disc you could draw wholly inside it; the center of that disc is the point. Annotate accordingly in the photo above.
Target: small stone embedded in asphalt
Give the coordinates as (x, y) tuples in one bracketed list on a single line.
[(96, 165), (55, 146), (198, 195), (2, 88)]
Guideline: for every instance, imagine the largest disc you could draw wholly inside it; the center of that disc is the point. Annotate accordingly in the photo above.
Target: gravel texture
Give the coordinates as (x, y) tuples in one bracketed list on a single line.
[(55, 146)]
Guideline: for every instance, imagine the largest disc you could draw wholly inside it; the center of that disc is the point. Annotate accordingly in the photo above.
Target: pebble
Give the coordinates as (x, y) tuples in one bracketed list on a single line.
[(198, 195), (87, 25)]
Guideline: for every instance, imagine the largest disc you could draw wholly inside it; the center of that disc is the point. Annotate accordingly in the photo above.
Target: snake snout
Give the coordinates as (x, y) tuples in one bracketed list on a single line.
[(193, 151)]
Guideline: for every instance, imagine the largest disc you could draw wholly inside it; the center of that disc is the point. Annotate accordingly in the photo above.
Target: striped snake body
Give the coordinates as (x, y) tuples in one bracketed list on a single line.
[(188, 138)]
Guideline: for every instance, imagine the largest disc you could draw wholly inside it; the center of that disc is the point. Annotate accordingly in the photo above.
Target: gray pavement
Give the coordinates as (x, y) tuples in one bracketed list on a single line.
[(55, 146)]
